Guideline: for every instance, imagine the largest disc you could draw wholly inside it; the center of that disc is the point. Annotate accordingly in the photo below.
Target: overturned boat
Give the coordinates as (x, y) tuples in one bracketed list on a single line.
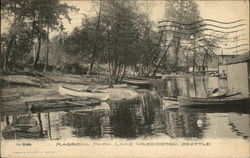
[(92, 95)]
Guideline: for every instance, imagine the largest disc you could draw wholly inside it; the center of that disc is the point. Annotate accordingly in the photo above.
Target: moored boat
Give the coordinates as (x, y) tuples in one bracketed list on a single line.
[(23, 127), (93, 95), (213, 102)]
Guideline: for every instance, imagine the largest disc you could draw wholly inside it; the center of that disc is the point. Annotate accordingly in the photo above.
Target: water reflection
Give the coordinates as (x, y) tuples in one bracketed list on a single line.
[(144, 117), (139, 117), (185, 125), (93, 124), (23, 127), (192, 86)]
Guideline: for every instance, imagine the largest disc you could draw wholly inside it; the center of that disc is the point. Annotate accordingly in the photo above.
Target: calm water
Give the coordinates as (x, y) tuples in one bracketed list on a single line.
[(145, 117)]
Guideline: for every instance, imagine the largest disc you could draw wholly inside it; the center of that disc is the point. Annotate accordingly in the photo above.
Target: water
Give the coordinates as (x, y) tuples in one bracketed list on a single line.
[(146, 117)]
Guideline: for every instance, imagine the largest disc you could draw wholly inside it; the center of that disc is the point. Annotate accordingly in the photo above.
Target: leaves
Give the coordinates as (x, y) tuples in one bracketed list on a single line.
[(29, 20)]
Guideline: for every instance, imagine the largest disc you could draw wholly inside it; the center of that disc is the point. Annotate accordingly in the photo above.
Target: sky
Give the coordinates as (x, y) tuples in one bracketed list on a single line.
[(221, 10)]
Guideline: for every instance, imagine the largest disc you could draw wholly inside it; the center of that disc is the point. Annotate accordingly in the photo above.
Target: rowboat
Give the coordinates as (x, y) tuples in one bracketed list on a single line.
[(213, 102), (93, 95), (23, 127), (216, 93)]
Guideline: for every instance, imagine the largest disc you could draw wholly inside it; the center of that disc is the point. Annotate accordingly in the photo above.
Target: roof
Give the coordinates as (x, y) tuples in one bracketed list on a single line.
[(241, 58), (230, 55)]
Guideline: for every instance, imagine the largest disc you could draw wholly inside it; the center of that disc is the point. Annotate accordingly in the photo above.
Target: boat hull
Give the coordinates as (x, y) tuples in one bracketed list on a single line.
[(212, 102), (76, 93)]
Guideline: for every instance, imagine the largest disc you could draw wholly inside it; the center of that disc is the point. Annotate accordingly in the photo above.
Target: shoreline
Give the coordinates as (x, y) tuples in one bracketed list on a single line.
[(18, 96)]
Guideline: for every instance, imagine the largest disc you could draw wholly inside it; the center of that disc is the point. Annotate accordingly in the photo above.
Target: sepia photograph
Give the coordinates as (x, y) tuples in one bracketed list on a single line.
[(125, 78)]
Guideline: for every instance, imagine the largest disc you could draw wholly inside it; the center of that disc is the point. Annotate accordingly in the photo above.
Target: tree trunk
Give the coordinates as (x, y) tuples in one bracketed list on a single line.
[(176, 53), (203, 61), (6, 59), (91, 66), (95, 44), (195, 88), (124, 72), (47, 51), (162, 58), (37, 55)]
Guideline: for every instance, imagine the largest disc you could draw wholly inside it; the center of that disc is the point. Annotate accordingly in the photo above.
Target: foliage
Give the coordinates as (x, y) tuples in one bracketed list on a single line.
[(119, 35), (129, 41), (182, 12), (28, 21)]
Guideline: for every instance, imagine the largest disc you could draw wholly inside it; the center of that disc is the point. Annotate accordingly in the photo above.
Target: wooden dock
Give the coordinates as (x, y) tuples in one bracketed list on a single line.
[(24, 105)]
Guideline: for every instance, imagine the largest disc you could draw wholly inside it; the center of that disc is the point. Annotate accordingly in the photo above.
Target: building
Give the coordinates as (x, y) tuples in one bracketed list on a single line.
[(226, 58), (237, 71)]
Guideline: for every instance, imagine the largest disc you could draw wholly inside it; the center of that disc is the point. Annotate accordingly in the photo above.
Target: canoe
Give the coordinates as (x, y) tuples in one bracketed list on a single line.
[(93, 95), (23, 127), (213, 102)]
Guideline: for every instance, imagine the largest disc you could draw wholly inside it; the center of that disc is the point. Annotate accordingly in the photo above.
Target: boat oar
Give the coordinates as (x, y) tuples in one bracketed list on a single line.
[(232, 94)]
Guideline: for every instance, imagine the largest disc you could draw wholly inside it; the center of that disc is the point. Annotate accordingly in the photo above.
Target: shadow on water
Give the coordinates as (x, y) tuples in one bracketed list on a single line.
[(145, 117)]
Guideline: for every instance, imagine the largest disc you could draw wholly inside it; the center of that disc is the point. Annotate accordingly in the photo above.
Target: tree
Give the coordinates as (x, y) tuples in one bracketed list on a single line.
[(37, 15), (85, 43), (59, 57), (17, 29), (182, 12), (94, 54), (123, 32), (150, 41), (206, 50), (15, 44)]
